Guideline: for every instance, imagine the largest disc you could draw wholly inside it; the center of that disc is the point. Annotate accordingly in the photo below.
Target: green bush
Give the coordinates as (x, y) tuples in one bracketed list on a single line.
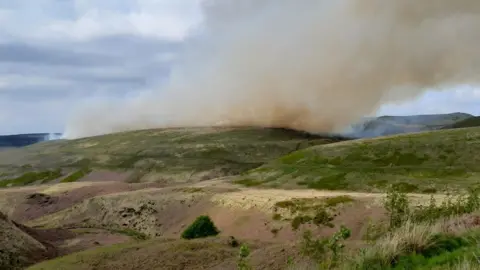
[(200, 228), (242, 263)]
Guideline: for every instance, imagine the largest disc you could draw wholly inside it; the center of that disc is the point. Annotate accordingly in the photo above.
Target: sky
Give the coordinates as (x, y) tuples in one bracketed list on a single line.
[(57, 54)]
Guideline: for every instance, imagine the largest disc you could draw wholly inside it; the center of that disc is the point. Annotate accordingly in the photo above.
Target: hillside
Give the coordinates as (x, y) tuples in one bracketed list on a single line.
[(167, 155), (419, 162), (391, 125), (473, 121), (17, 248)]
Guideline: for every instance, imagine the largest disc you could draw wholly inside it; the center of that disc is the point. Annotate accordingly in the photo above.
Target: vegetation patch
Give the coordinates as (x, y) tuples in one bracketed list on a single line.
[(334, 201), (277, 216), (300, 220), (132, 233), (400, 210), (77, 175), (248, 182), (32, 177), (189, 190), (202, 227)]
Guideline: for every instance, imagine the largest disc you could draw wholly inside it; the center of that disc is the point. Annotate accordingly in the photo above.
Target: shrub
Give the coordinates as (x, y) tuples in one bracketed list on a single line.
[(450, 207), (397, 206), (326, 251), (233, 242), (322, 217), (299, 220), (243, 258), (200, 228)]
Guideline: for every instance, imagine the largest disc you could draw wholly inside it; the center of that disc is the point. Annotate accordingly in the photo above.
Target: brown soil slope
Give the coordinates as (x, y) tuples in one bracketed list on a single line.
[(19, 249)]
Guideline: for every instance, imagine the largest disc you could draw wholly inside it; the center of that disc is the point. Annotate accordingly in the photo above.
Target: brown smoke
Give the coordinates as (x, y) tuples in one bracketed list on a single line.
[(310, 65)]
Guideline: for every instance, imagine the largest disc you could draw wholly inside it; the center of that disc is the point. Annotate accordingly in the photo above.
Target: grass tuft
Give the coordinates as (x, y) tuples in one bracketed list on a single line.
[(334, 201)]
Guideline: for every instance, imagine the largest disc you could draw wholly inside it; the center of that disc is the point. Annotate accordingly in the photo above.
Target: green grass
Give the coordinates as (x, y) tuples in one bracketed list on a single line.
[(77, 175), (132, 233), (334, 201), (32, 177), (427, 162), (149, 254), (189, 190), (189, 154)]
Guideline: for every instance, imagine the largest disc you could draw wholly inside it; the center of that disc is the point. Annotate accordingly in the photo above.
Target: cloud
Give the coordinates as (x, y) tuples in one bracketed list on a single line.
[(55, 55)]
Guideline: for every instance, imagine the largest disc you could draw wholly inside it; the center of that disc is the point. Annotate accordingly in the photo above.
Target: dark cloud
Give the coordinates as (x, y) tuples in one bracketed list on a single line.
[(42, 55), (114, 64)]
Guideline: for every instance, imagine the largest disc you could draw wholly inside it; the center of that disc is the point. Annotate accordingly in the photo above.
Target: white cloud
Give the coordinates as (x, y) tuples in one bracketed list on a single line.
[(163, 19)]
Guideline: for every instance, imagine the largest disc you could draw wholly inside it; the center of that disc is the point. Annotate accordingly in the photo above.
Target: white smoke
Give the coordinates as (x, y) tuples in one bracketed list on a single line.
[(316, 66), (53, 137)]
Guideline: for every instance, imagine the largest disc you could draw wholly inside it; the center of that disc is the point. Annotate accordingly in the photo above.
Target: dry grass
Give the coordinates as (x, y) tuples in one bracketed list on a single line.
[(407, 238), (411, 237)]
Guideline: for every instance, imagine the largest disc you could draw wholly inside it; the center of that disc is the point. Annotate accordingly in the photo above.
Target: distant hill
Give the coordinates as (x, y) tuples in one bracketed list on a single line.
[(391, 125), (20, 140), (473, 121)]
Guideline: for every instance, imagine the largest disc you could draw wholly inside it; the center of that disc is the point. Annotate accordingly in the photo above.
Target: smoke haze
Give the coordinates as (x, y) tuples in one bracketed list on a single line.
[(316, 66)]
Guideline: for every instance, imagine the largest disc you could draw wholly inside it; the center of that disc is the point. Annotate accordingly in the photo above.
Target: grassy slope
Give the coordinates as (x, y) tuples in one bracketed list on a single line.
[(207, 253), (216, 152), (420, 162), (144, 255)]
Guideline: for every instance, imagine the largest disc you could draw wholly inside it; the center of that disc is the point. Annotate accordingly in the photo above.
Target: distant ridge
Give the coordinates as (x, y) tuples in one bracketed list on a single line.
[(20, 140), (391, 125)]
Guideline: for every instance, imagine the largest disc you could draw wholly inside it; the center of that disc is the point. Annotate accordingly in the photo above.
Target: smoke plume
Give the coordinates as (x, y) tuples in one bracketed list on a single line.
[(315, 66)]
